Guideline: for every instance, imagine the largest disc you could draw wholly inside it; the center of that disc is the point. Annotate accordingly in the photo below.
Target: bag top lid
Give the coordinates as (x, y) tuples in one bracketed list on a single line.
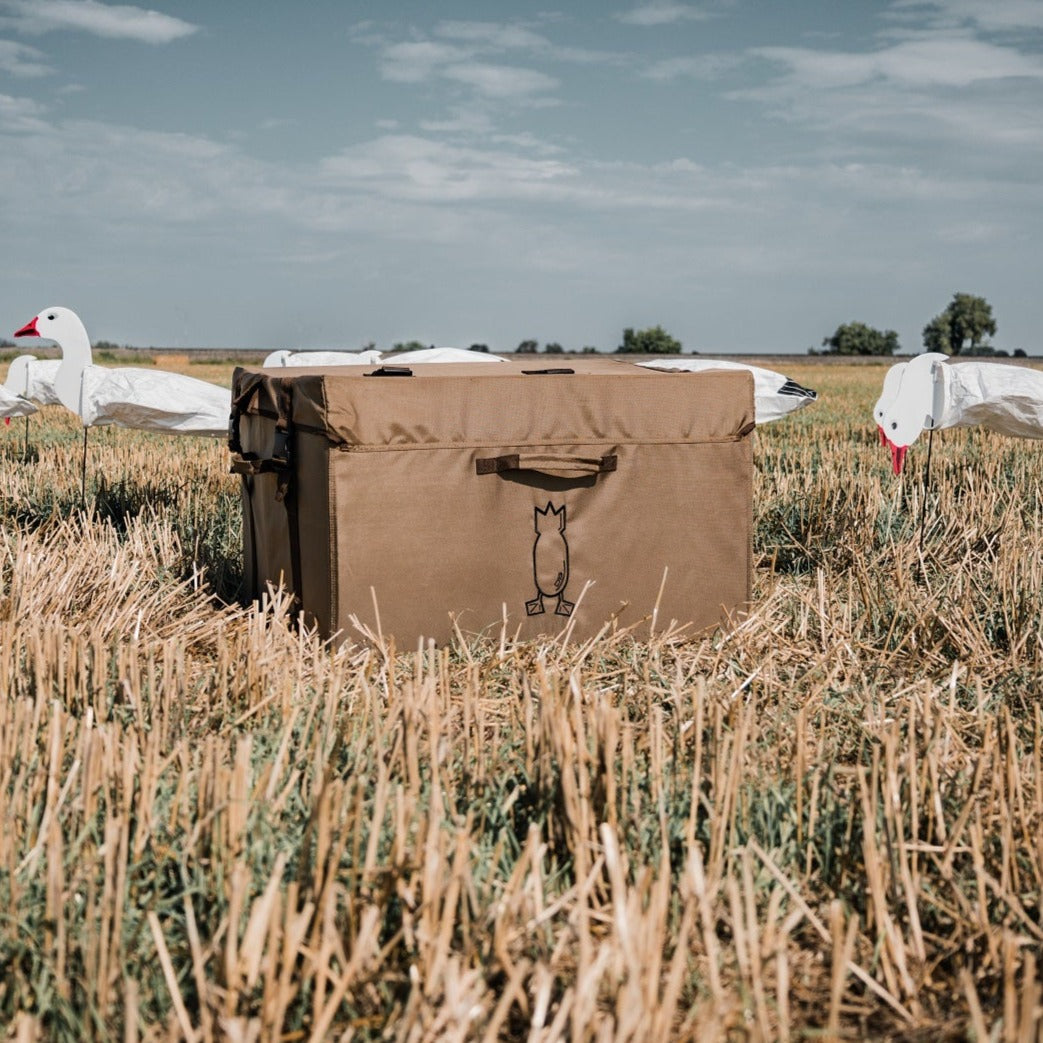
[(514, 403)]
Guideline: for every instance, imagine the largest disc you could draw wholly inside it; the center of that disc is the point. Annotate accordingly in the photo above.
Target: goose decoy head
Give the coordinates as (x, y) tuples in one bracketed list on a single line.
[(63, 326), (57, 324), (912, 409), (888, 393)]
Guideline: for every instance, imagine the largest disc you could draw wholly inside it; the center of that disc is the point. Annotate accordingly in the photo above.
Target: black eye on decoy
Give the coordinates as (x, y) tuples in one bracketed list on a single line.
[(52, 316), (894, 425)]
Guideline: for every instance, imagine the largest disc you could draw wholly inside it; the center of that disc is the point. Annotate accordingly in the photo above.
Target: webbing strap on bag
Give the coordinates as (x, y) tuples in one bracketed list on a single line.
[(280, 463)]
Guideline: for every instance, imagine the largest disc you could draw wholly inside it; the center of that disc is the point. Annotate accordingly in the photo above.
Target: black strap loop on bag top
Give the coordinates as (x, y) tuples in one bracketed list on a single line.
[(390, 371)]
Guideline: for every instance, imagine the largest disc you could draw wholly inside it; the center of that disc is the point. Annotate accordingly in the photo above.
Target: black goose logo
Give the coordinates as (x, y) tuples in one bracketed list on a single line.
[(550, 561)]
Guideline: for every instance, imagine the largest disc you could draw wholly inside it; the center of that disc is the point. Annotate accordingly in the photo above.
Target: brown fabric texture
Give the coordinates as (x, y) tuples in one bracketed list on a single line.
[(560, 502)]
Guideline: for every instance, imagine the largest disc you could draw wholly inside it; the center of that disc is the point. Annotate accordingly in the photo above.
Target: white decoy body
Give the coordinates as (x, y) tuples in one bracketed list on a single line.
[(148, 400), (408, 358), (774, 395), (934, 394), (321, 358), (12, 405), (33, 378)]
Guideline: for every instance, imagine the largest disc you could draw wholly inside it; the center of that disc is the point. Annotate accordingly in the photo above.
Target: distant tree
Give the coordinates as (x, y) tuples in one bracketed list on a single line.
[(528, 347), (966, 321), (409, 345), (937, 334), (553, 348), (589, 349), (479, 347), (1020, 353), (856, 338), (7, 343), (653, 341)]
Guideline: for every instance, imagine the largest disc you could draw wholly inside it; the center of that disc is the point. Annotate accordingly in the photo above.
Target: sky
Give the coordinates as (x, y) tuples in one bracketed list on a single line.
[(335, 173)]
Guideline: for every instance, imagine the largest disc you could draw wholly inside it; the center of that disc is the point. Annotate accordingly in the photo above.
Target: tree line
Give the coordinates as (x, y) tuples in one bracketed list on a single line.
[(962, 327), (652, 341)]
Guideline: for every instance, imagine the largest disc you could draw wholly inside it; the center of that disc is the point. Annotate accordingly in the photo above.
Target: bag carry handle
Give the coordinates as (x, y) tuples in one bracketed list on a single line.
[(557, 466)]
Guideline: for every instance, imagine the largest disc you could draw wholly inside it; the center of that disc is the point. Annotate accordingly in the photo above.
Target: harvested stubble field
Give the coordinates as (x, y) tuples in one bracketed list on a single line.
[(826, 822)]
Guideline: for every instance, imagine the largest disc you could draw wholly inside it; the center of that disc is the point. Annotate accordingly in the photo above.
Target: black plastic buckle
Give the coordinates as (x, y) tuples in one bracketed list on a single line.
[(281, 449)]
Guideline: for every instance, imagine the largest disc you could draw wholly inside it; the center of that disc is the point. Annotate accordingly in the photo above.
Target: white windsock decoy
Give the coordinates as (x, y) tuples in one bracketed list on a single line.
[(935, 394), (148, 400), (33, 378), (12, 405), (321, 358), (407, 358), (774, 395)]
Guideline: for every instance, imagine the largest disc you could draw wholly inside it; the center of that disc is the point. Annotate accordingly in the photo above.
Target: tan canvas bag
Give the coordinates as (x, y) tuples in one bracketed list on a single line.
[(552, 499)]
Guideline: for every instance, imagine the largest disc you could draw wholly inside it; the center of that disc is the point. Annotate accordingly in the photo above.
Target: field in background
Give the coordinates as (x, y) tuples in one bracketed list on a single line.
[(824, 823)]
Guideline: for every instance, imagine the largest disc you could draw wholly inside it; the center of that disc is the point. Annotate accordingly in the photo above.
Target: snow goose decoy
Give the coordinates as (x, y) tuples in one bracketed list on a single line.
[(774, 395), (934, 394), (12, 405), (148, 400), (407, 358), (33, 378), (321, 358)]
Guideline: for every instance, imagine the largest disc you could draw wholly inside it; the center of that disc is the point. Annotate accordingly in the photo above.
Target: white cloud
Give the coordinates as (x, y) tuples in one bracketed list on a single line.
[(884, 121), (494, 34), (420, 61), (700, 67), (528, 141), (947, 61), (933, 98), (463, 119), (18, 115), (993, 15), (113, 21), (661, 13), (424, 172), (410, 167), (975, 233), (416, 61), (503, 82), (461, 54), (17, 59), (124, 176), (497, 38), (409, 186)]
